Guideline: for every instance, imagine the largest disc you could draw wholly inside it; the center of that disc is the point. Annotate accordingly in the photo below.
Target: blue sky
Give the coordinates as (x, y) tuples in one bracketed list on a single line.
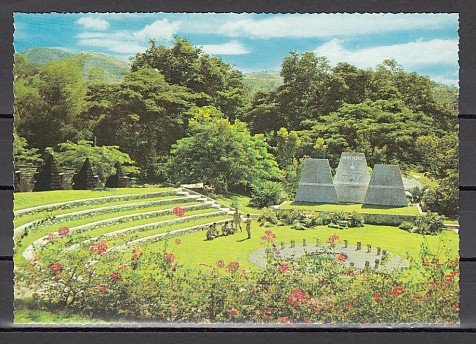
[(425, 43)]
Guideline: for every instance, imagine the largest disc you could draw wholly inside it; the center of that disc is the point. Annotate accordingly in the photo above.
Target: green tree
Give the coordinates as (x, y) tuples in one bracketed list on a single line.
[(144, 115), (222, 155), (385, 130), (186, 65), (49, 100), (23, 154), (102, 158)]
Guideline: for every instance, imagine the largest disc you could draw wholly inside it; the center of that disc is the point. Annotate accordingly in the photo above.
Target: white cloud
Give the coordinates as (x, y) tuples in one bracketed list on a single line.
[(229, 48), (128, 41), (328, 25), (93, 23), (410, 55), (160, 29)]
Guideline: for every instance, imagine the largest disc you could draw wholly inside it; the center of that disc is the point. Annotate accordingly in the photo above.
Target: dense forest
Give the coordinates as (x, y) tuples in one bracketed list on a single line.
[(179, 115)]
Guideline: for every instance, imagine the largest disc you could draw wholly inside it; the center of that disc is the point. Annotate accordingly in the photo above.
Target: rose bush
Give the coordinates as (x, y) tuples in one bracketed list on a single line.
[(153, 286)]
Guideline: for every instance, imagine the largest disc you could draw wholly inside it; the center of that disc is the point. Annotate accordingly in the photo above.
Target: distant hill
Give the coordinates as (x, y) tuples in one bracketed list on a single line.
[(112, 68), (267, 80)]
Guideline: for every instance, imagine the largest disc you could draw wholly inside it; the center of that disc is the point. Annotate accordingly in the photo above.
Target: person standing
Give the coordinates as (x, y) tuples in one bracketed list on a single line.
[(237, 220), (248, 225)]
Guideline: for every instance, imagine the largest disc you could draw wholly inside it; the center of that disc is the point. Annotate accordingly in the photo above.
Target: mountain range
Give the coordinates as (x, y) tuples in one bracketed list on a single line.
[(114, 69)]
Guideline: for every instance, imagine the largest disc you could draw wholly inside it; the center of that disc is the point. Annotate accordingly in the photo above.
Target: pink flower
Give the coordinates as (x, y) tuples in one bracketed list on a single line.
[(115, 276), (377, 296), (341, 257), (102, 288), (220, 263), (232, 312), (283, 267), (136, 253), (296, 297), (284, 320), (179, 211), (50, 236), (332, 239), (396, 290), (99, 248), (233, 266), (63, 231), (449, 278), (455, 309), (56, 268), (268, 236), (170, 257)]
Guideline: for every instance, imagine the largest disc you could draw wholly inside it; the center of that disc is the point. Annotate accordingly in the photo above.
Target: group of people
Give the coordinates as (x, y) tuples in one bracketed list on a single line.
[(230, 227)]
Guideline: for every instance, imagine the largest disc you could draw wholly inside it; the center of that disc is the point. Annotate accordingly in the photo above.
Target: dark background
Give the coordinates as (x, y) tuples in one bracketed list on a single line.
[(465, 333)]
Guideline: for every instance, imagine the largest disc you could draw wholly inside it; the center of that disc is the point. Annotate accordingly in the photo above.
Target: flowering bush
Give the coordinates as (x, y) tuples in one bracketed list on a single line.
[(314, 288), (63, 231), (99, 247), (179, 211)]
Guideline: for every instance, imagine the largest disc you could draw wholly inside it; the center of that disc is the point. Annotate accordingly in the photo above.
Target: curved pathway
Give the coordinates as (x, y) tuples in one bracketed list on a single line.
[(390, 263)]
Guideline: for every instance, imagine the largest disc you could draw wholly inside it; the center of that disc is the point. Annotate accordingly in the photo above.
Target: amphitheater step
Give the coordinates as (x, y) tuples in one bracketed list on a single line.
[(145, 227), (107, 222), (98, 200), (20, 230), (160, 236)]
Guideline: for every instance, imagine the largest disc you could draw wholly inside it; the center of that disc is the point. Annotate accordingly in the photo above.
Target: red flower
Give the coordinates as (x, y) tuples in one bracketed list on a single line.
[(283, 267), (377, 296), (268, 236), (170, 257), (178, 241), (220, 263), (102, 288), (63, 231), (179, 211), (56, 268), (99, 248), (332, 239), (233, 266), (296, 297), (449, 278), (136, 253), (396, 290), (232, 312), (455, 309), (341, 257), (115, 276)]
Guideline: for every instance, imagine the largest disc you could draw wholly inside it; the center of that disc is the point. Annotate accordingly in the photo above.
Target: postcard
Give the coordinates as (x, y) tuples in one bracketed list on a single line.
[(223, 169)]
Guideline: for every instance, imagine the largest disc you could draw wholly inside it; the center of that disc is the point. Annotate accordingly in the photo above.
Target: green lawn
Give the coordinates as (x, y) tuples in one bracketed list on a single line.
[(25, 316), (243, 203), (33, 199), (195, 250), (358, 208)]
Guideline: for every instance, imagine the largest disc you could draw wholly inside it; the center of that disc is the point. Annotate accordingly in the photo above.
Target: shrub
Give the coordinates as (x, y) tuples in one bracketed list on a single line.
[(355, 220), (407, 226), (267, 193), (269, 216), (431, 223), (155, 287)]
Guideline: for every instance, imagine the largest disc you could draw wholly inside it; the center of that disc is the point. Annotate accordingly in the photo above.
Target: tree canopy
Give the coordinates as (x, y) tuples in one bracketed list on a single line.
[(181, 115)]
